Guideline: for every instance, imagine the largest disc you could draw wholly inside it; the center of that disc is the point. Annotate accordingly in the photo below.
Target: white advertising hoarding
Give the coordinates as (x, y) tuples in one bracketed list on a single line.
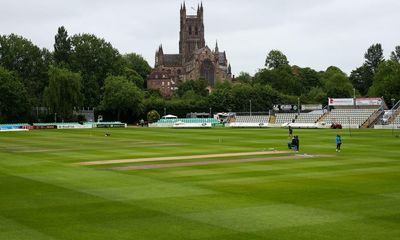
[(311, 107), (341, 101), (358, 101), (369, 101)]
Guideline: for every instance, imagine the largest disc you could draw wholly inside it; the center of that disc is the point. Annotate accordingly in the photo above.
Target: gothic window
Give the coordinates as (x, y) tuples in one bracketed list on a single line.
[(190, 31), (207, 72), (196, 31)]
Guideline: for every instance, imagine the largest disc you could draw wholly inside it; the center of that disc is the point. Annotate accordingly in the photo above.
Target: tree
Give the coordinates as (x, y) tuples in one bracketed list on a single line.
[(265, 97), (133, 76), (221, 98), (317, 95), (395, 55), (191, 95), (332, 70), (362, 79), (337, 84), (329, 72), (386, 81), (13, 98), (281, 79), (138, 63), (241, 96), (276, 59), (63, 92), (237, 97), (153, 116), (307, 78), (154, 102), (122, 96), (244, 77), (28, 61), (95, 59), (374, 57), (152, 93), (199, 87), (62, 47)]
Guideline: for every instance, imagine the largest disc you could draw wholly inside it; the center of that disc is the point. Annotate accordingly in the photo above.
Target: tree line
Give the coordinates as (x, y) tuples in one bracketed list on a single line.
[(376, 77), (84, 70)]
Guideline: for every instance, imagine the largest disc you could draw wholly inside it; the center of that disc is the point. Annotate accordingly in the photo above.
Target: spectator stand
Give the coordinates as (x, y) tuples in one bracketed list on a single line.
[(250, 120), (289, 115), (185, 123), (354, 112), (390, 119)]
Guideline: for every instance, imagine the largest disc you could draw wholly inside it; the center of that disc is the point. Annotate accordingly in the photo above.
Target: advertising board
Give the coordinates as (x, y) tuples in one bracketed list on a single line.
[(341, 101), (369, 101)]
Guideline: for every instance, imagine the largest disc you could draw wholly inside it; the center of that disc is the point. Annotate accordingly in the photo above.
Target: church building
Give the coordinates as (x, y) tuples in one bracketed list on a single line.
[(195, 59)]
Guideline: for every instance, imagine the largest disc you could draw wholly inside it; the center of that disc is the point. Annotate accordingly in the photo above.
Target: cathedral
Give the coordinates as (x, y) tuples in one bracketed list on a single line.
[(194, 61)]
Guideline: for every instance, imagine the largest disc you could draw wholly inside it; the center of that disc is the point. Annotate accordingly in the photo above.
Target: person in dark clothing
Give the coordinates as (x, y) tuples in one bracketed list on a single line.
[(297, 143), (294, 144), (290, 131)]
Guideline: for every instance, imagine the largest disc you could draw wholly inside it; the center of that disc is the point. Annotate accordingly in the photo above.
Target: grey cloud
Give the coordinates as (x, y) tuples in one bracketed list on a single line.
[(311, 33)]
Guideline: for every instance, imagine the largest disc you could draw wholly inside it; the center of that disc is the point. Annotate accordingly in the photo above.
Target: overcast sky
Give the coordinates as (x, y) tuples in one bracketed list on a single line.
[(311, 33)]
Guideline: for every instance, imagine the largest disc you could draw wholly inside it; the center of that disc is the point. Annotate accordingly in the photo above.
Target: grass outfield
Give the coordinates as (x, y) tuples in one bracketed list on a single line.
[(46, 194)]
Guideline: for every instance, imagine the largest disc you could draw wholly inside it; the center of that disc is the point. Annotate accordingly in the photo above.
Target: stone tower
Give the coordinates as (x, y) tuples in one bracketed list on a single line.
[(191, 35), (195, 59)]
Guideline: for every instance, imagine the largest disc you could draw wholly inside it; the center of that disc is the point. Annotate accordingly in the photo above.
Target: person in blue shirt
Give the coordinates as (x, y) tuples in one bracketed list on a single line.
[(338, 142)]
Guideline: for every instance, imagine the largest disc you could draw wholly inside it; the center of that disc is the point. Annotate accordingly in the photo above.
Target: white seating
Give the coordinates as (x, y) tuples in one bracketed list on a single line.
[(308, 118), (253, 119), (285, 117), (397, 120), (297, 118), (349, 116)]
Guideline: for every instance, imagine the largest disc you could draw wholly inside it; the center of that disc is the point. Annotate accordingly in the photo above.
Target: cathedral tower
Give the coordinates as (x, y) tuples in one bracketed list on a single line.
[(191, 32), (195, 60)]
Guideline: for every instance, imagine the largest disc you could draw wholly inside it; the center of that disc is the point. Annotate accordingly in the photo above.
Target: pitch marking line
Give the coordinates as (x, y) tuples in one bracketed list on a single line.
[(206, 163), (108, 162)]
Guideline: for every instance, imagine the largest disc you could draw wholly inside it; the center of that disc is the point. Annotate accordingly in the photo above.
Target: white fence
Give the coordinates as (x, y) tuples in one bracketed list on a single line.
[(389, 126), (192, 125), (247, 125), (74, 126)]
